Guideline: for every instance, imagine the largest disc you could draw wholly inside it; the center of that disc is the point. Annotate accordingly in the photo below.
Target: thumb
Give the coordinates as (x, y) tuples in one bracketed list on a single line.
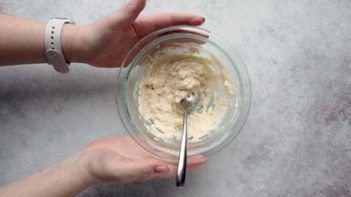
[(127, 13)]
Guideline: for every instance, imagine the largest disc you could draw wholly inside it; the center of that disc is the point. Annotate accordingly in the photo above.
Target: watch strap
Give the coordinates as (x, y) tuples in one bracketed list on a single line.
[(53, 46)]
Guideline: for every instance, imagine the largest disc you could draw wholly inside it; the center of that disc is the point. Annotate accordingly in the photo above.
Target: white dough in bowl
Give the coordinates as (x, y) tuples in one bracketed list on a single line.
[(172, 73)]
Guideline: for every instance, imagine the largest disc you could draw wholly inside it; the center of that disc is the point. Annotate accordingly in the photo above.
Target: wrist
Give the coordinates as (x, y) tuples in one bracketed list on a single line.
[(70, 43), (84, 167), (74, 170)]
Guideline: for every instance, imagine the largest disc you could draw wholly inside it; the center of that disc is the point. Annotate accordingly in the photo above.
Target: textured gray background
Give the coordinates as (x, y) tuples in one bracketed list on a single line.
[(297, 140)]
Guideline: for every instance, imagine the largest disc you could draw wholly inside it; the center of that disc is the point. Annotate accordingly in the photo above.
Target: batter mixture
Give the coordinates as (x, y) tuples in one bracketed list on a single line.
[(171, 74)]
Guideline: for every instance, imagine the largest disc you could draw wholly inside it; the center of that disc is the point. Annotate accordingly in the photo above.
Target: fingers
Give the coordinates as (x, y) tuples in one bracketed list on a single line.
[(126, 14), (117, 169), (195, 161), (140, 171), (156, 169), (160, 170), (147, 24)]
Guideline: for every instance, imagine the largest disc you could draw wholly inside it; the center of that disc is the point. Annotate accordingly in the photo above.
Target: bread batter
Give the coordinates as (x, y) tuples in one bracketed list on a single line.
[(171, 74)]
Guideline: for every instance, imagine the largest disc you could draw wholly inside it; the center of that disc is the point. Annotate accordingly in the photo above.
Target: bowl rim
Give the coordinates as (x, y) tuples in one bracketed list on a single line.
[(238, 65)]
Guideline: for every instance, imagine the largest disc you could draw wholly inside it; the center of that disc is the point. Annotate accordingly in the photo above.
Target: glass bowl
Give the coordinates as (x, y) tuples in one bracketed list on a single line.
[(208, 44)]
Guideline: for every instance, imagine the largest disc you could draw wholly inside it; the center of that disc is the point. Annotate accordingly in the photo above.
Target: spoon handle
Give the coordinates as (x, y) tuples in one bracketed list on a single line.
[(180, 180)]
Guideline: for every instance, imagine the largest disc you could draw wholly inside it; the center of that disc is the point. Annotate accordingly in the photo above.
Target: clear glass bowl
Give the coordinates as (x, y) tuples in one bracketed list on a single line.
[(132, 71)]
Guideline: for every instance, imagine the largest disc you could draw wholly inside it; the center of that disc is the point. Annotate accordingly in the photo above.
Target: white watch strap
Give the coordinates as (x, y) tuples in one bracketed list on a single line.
[(53, 49)]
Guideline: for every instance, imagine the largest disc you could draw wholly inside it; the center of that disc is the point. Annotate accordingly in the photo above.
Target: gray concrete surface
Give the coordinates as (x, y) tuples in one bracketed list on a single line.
[(297, 140)]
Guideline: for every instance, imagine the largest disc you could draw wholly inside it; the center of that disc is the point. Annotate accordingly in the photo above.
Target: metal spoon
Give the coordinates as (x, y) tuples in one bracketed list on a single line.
[(188, 104)]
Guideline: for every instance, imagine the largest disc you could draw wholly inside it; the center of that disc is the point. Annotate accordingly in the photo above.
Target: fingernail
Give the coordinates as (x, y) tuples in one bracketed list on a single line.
[(161, 169), (132, 4), (135, 3)]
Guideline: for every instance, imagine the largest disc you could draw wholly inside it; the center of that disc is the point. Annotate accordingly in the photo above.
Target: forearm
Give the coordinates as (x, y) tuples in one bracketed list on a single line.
[(22, 41), (64, 179)]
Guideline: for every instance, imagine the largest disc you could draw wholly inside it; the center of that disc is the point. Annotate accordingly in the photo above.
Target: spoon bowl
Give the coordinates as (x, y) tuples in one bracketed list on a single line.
[(190, 102)]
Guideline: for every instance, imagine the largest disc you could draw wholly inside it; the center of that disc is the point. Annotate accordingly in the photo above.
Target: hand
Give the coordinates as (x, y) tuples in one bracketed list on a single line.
[(113, 159), (107, 41), (121, 160)]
